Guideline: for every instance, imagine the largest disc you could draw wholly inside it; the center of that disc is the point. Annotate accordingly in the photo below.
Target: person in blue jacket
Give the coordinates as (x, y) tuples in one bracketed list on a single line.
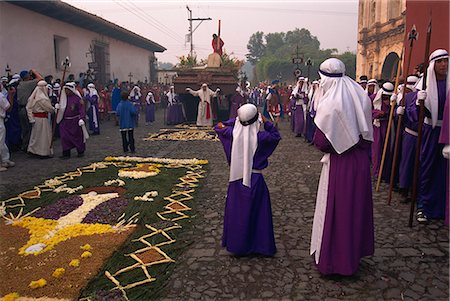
[(126, 114)]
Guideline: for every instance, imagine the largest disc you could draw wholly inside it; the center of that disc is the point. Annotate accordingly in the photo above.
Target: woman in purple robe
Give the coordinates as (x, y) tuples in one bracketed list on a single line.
[(343, 230), (70, 118), (299, 118), (93, 113), (248, 227)]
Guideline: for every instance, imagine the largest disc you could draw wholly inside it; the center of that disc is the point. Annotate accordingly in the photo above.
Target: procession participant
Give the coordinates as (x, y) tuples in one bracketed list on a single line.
[(363, 81), (237, 100), (310, 127), (409, 137), (380, 114), (299, 116), (93, 111), (102, 104), (24, 90), (248, 227), (271, 92), (343, 230), (149, 108), (135, 98), (38, 108), (204, 114), (4, 151), (70, 118), (431, 196), (12, 120), (275, 111), (175, 112), (126, 113), (217, 44), (372, 88), (444, 138)]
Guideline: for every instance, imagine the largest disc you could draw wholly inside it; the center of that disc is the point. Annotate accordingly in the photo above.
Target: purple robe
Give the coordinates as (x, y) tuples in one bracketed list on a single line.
[(432, 179), (409, 141), (444, 139), (248, 227), (175, 112), (236, 101), (69, 130), (299, 119), (150, 112), (379, 137), (310, 125), (292, 110), (348, 233), (93, 114)]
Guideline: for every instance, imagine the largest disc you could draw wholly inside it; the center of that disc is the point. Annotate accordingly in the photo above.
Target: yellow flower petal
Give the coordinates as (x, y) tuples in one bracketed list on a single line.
[(10, 297), (75, 263), (86, 247), (86, 254), (58, 272), (38, 283)]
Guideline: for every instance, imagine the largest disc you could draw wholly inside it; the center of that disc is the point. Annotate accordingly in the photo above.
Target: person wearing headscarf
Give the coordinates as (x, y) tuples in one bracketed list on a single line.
[(248, 227), (92, 99), (5, 161), (299, 95), (12, 120), (38, 108), (149, 108), (238, 99), (70, 117), (271, 92), (432, 180), (175, 112), (204, 114), (409, 136), (310, 127), (343, 230), (135, 98), (363, 81), (372, 88), (380, 114)]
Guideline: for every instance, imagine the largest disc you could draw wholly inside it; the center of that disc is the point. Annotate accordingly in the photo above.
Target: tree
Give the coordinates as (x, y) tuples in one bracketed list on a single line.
[(349, 59), (165, 65), (256, 47)]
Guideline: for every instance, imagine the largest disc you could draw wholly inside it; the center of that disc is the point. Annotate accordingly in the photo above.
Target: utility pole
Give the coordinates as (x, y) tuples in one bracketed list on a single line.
[(191, 31), (297, 60)]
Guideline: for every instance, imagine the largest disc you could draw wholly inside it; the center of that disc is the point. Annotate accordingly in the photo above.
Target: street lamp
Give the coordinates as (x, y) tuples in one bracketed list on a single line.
[(309, 63), (8, 70), (130, 75)]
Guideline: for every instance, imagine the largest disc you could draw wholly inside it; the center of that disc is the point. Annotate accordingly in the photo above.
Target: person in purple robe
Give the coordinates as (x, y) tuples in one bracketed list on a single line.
[(343, 230), (310, 126), (299, 94), (149, 108), (175, 110), (380, 115), (12, 121), (292, 109), (444, 138), (238, 99), (431, 196), (135, 98), (248, 227), (70, 117), (372, 88), (93, 114), (409, 138)]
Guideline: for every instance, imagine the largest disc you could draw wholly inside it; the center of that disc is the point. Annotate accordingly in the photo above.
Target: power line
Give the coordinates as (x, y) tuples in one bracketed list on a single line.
[(145, 20)]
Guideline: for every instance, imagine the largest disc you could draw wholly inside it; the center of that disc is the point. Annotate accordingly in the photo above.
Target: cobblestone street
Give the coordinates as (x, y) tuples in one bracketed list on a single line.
[(409, 264)]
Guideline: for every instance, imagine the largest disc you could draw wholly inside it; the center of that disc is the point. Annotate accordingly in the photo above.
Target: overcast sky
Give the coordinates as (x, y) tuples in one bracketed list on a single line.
[(165, 22)]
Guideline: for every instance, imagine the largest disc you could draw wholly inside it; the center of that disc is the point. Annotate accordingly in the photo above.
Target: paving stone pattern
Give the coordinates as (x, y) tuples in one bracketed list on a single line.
[(409, 264)]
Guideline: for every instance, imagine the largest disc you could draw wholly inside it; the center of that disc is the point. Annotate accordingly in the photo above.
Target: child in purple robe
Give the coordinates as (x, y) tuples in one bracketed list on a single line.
[(248, 227), (93, 112)]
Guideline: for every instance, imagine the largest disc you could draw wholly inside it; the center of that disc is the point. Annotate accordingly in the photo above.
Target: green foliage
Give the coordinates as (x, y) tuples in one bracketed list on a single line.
[(271, 54), (186, 62)]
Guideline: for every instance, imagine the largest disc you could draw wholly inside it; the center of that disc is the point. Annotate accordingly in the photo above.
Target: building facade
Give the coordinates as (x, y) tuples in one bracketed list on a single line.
[(381, 31), (166, 77), (40, 34)]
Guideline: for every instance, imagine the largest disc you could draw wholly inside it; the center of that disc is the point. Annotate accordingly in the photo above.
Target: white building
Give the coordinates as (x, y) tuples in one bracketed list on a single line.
[(40, 34)]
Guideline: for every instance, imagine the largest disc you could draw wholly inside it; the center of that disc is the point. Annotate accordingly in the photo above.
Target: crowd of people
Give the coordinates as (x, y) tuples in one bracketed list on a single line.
[(34, 110)]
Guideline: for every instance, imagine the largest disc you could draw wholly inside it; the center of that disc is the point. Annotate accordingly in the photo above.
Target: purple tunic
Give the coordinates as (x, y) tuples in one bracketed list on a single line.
[(310, 125), (432, 180), (444, 139), (150, 112), (175, 113), (299, 119), (236, 101), (70, 132), (93, 114), (292, 110), (348, 233), (409, 142), (379, 136), (248, 227)]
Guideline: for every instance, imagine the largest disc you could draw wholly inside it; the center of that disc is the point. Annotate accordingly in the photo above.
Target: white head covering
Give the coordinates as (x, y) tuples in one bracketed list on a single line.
[(373, 82), (411, 82), (63, 100), (245, 143), (92, 90), (40, 92), (344, 111), (386, 89), (135, 92), (431, 102)]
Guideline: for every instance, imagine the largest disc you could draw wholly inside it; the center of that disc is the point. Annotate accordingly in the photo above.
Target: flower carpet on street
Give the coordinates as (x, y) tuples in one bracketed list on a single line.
[(184, 133), (107, 231)]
